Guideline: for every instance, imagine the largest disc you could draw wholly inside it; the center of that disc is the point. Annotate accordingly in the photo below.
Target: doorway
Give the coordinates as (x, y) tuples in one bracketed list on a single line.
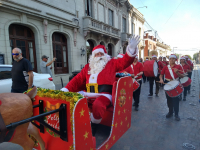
[(23, 37)]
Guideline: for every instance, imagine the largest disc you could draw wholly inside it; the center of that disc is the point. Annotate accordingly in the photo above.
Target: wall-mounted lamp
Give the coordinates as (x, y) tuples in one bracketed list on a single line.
[(76, 21), (118, 52), (82, 51)]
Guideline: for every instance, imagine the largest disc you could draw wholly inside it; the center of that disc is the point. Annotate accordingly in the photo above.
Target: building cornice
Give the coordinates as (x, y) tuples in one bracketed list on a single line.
[(150, 40), (36, 13), (7, 2), (52, 6), (162, 45)]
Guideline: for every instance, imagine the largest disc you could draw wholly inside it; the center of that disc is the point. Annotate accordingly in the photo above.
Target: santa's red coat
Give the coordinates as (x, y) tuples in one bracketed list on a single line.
[(106, 76)]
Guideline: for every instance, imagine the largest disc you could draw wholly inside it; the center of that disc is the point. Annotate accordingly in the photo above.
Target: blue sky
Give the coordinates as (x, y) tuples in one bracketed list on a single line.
[(182, 30)]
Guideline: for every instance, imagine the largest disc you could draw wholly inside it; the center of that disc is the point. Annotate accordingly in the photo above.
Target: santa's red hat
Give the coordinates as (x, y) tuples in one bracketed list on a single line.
[(154, 56), (182, 57), (120, 55), (99, 48), (172, 56)]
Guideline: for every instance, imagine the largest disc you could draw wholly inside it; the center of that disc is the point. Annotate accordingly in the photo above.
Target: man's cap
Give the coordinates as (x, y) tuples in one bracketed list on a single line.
[(44, 56)]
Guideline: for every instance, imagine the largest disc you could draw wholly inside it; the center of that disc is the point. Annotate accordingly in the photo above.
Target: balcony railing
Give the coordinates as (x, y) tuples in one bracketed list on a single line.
[(100, 27)]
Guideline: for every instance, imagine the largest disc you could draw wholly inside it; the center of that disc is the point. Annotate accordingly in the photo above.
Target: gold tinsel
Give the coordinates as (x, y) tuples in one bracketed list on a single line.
[(65, 96)]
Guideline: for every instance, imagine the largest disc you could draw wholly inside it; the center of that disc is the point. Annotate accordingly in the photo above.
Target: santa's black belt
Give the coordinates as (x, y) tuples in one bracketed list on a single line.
[(95, 88)]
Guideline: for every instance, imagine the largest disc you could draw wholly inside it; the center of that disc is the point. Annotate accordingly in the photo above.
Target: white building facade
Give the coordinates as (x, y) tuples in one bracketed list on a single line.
[(67, 30)]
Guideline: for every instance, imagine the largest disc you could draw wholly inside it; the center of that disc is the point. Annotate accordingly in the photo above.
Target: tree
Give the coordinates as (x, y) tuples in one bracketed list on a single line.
[(195, 56), (177, 55), (190, 57)]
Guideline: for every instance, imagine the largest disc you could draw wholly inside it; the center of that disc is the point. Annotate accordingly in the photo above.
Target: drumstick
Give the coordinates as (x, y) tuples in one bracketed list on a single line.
[(178, 70), (164, 83)]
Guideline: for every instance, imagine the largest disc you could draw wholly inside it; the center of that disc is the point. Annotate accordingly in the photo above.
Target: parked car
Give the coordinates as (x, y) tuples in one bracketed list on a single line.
[(39, 80)]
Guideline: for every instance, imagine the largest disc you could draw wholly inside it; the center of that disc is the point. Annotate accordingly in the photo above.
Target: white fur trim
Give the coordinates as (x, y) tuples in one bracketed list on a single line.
[(154, 56), (98, 50), (93, 78), (172, 56), (130, 52), (64, 89), (97, 121), (182, 58), (120, 56), (186, 57), (95, 95)]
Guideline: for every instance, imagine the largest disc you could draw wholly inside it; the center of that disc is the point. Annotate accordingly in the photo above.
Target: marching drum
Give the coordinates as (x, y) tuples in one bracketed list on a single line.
[(136, 85), (185, 81), (151, 68), (173, 88)]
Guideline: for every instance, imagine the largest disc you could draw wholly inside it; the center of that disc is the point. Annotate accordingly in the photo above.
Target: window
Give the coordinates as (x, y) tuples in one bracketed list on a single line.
[(133, 28), (110, 17), (101, 12), (88, 8), (140, 32), (124, 25), (1, 58), (60, 52), (150, 46), (5, 73)]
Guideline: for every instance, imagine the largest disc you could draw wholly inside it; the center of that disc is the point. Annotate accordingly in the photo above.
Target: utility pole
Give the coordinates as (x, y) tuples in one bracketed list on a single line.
[(155, 33)]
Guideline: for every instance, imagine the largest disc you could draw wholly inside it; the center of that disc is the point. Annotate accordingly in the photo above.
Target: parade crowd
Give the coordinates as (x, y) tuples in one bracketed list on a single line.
[(167, 71)]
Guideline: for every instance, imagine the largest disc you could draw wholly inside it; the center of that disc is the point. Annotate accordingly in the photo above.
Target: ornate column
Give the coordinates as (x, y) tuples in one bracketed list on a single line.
[(45, 23)]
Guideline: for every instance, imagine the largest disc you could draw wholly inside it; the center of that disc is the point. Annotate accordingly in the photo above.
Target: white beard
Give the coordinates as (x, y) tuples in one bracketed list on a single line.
[(97, 64)]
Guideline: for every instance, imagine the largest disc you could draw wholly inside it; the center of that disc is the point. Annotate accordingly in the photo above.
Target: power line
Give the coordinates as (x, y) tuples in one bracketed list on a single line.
[(173, 12), (142, 2), (155, 32)]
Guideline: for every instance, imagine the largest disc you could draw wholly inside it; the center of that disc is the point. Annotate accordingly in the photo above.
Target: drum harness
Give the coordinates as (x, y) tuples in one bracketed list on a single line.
[(183, 70), (171, 73), (136, 75)]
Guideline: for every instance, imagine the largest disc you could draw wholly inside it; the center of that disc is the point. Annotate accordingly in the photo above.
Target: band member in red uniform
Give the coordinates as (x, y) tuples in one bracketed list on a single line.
[(143, 76), (165, 61), (172, 72), (156, 79), (138, 71), (186, 68), (100, 73), (189, 62), (163, 64)]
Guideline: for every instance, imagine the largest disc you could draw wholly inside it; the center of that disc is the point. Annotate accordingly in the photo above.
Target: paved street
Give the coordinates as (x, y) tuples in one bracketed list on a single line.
[(150, 130)]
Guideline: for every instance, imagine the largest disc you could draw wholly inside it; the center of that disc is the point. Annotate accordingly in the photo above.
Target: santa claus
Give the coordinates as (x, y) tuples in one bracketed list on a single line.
[(98, 76)]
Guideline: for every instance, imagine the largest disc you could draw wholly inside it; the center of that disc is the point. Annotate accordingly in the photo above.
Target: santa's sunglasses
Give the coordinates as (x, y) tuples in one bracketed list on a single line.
[(15, 54)]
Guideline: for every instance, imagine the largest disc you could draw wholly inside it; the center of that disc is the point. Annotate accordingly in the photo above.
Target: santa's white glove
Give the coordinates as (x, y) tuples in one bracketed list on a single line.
[(64, 89), (132, 49), (82, 93)]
